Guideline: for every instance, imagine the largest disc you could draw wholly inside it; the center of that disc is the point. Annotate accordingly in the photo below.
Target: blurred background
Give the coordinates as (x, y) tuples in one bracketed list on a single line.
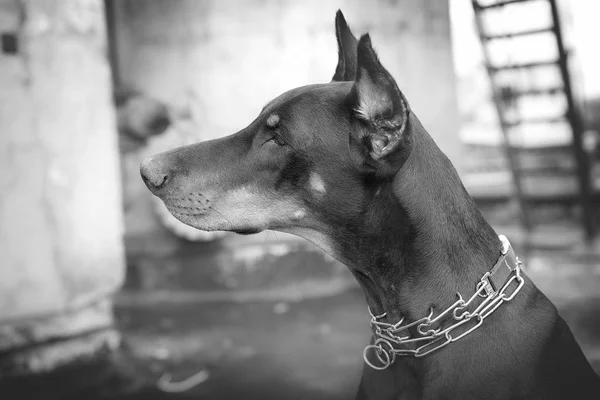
[(104, 295)]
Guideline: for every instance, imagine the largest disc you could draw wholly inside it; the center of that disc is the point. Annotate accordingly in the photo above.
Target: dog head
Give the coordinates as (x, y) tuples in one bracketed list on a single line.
[(314, 158)]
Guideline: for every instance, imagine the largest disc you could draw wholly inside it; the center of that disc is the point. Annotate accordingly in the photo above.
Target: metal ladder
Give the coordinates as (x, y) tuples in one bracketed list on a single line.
[(506, 100)]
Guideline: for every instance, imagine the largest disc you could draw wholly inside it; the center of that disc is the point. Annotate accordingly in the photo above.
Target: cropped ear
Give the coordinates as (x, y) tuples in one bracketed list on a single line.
[(346, 67), (378, 103)]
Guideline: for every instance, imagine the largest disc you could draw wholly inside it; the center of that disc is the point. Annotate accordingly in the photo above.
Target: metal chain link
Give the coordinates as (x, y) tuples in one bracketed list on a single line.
[(387, 342)]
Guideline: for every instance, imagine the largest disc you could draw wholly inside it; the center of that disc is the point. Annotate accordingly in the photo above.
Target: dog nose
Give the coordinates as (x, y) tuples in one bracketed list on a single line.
[(153, 174)]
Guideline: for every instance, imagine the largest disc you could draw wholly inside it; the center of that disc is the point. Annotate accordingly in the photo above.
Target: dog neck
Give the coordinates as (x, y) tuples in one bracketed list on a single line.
[(422, 239)]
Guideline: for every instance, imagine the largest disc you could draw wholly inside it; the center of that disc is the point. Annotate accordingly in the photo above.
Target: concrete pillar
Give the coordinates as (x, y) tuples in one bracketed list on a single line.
[(61, 253)]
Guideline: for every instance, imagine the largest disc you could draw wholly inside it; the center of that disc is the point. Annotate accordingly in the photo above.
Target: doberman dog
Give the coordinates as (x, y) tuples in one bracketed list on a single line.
[(348, 166)]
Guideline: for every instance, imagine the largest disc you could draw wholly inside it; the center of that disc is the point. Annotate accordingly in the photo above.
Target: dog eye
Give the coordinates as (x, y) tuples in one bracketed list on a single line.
[(277, 140)]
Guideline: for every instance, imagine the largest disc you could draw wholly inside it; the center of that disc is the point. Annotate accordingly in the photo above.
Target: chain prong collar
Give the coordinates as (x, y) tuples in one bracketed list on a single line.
[(388, 344)]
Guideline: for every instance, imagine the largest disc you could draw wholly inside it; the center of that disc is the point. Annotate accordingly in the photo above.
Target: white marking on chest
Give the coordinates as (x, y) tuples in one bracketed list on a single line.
[(316, 183)]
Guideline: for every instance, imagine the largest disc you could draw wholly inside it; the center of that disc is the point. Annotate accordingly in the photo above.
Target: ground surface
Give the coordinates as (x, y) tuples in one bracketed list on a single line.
[(269, 349)]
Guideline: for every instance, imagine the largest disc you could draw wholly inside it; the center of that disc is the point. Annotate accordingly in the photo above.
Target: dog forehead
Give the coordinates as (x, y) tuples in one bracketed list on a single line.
[(315, 94)]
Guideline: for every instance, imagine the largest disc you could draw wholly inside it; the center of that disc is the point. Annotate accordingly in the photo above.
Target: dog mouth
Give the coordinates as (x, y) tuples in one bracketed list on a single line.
[(186, 211), (206, 218), (189, 210), (249, 231), (188, 215)]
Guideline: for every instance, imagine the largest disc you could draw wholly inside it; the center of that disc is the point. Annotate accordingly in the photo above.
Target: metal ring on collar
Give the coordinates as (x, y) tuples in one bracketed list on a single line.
[(386, 363), (389, 352)]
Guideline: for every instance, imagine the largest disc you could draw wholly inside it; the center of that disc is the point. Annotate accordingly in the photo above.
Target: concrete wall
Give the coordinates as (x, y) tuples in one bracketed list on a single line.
[(227, 58), (61, 252), (218, 62)]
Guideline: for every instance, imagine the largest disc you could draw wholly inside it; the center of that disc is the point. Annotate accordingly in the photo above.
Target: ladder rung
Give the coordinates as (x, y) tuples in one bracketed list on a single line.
[(545, 170), (551, 120), (498, 4), (517, 34), (539, 91), (546, 150), (524, 65)]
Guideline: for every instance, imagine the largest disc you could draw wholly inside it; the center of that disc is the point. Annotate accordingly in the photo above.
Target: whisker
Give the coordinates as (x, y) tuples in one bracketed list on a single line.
[(222, 215)]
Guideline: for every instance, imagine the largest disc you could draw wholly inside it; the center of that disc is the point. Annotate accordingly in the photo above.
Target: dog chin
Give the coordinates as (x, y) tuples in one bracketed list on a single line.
[(204, 222), (195, 221)]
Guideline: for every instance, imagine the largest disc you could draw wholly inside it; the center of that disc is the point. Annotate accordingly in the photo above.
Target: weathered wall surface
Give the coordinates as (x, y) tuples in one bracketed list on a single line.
[(222, 60), (228, 58), (60, 207)]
